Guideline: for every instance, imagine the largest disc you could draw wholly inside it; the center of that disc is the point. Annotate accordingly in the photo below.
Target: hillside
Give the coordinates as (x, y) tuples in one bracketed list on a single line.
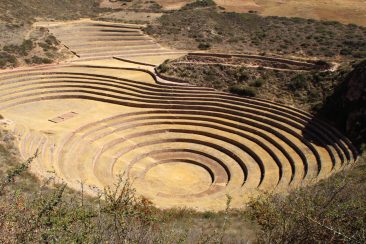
[(302, 87), (21, 44), (206, 27)]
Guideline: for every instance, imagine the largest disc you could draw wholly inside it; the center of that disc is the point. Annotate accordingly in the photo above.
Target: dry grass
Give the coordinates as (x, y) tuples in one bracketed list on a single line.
[(344, 11)]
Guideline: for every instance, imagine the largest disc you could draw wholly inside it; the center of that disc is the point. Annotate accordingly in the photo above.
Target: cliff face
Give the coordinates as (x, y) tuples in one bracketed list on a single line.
[(346, 108)]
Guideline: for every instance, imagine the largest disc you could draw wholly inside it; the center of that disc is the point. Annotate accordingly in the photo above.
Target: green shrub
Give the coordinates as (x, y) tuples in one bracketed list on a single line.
[(242, 75), (21, 50), (257, 82), (51, 40), (199, 4), (298, 82), (7, 59), (162, 68), (204, 45), (38, 60), (243, 90), (155, 6), (11, 48)]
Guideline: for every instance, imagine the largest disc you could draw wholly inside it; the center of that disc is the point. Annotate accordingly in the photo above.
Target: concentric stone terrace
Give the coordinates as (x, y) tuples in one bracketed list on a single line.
[(90, 40), (181, 145)]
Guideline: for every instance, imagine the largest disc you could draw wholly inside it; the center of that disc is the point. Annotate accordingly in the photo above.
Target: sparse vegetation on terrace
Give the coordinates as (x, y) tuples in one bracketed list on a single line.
[(305, 90), (42, 48)]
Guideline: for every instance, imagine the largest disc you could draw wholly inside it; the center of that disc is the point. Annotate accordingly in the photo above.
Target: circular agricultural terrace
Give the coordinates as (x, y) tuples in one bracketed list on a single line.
[(181, 145)]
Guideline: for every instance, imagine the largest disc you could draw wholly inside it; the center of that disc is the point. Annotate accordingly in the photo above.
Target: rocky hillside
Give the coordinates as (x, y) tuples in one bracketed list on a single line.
[(346, 108), (202, 25), (21, 44)]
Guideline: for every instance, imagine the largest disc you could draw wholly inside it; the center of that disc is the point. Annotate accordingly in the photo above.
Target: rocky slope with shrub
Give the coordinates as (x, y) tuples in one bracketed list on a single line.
[(303, 89), (40, 47)]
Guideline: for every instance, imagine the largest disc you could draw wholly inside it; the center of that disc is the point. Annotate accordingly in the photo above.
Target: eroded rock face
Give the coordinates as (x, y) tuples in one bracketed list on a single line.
[(355, 102), (346, 108)]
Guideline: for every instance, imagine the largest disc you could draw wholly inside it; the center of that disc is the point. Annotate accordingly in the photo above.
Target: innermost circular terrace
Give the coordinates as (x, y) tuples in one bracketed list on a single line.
[(178, 178)]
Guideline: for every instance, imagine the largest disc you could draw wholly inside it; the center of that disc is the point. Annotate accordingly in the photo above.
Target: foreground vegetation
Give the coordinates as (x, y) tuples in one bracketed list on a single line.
[(332, 211)]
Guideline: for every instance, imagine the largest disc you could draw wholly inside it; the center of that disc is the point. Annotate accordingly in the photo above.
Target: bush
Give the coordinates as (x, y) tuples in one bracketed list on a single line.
[(7, 59), (333, 211), (51, 40), (242, 75), (199, 4), (22, 49), (155, 6), (38, 60), (345, 52), (204, 46), (298, 82), (243, 90), (53, 214), (162, 68), (258, 82)]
